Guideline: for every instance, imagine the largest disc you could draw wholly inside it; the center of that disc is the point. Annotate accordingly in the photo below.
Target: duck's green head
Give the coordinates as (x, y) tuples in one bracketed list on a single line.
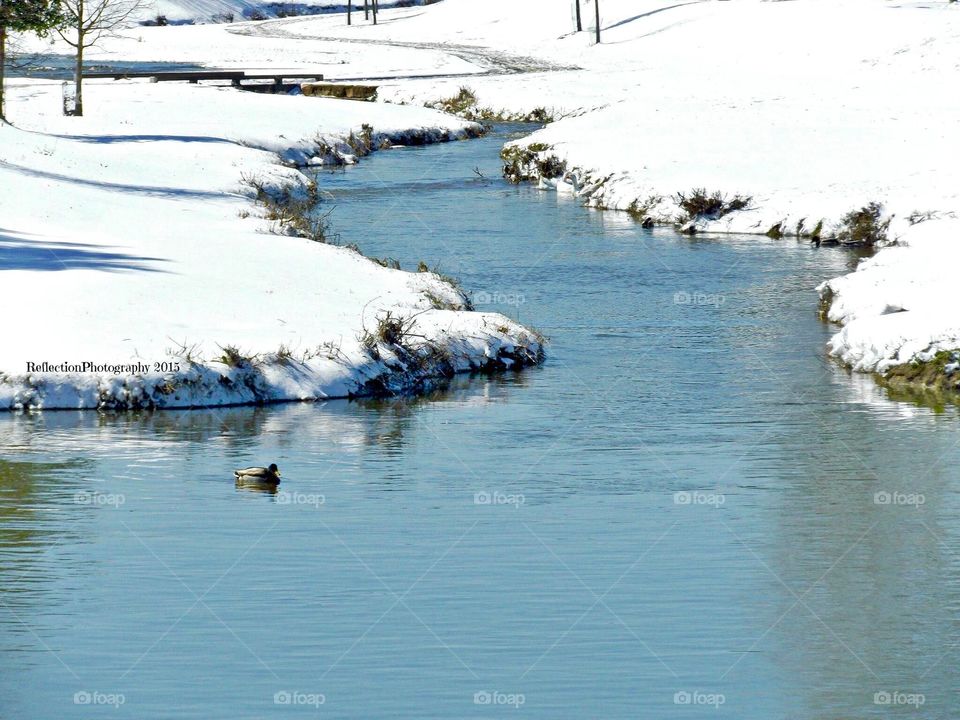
[(274, 469)]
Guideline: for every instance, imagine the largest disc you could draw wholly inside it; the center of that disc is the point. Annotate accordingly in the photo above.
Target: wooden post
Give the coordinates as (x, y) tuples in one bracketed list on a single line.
[(596, 4)]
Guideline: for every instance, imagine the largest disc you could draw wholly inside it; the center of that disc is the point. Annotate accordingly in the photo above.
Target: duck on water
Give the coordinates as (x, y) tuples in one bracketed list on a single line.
[(258, 475)]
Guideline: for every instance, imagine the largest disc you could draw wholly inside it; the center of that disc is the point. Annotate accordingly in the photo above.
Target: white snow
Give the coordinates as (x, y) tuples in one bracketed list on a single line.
[(898, 305), (123, 239)]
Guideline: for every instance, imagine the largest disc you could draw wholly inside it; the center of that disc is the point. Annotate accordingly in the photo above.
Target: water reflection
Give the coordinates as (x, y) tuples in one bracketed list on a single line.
[(247, 485)]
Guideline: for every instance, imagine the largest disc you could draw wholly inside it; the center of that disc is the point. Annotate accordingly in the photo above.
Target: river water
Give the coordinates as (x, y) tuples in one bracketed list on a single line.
[(687, 511)]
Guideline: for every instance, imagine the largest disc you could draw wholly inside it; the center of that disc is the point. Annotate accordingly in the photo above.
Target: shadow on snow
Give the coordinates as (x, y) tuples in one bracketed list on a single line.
[(18, 252)]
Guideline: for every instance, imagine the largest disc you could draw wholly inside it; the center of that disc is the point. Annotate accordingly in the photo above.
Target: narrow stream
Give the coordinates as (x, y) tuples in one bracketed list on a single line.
[(687, 511)]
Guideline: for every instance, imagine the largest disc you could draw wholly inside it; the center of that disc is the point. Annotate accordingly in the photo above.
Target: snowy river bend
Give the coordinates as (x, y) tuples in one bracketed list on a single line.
[(685, 512)]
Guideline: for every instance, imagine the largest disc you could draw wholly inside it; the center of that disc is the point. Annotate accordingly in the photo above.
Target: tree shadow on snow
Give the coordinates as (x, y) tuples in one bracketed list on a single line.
[(19, 252), (648, 14), (154, 190), (110, 139)]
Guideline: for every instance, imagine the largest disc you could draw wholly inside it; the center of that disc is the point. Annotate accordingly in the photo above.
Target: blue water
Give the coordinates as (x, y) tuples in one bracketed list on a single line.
[(684, 516)]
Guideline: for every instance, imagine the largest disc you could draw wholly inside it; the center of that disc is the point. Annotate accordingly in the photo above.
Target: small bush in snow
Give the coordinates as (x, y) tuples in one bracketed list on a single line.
[(449, 280), (917, 217), (438, 303), (701, 204), (863, 227), (362, 144), (232, 357), (293, 208), (459, 103), (284, 354), (531, 163), (642, 211), (386, 262), (391, 331)]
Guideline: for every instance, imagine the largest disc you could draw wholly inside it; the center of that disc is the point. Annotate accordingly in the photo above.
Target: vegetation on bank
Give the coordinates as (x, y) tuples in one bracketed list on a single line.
[(412, 364), (346, 151), (688, 211), (530, 162), (939, 374), (465, 104)]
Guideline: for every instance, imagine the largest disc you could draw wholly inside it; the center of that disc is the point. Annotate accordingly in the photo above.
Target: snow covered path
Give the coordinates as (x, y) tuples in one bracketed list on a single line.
[(488, 60)]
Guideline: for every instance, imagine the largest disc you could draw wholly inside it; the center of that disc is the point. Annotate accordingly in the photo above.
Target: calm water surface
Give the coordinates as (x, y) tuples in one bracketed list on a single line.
[(676, 516)]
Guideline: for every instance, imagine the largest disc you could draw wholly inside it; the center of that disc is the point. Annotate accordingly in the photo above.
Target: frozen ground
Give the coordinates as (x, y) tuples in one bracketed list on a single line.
[(125, 238), (811, 108)]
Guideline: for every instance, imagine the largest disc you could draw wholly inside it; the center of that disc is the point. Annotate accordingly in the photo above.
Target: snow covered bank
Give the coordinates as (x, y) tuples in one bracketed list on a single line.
[(812, 109), (898, 309), (129, 237)]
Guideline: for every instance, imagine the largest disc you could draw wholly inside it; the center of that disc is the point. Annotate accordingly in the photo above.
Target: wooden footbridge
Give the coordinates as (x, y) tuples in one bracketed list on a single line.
[(236, 77), (309, 83)]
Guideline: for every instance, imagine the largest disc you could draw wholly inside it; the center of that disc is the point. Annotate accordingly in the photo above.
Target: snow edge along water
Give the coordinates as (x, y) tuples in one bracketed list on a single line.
[(404, 348)]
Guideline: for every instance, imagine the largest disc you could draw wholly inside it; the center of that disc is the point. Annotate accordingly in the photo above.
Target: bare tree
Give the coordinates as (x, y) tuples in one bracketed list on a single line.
[(85, 22), (579, 21), (349, 12)]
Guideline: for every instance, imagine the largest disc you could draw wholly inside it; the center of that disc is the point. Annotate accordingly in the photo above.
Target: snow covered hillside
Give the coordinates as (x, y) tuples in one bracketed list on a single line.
[(130, 241)]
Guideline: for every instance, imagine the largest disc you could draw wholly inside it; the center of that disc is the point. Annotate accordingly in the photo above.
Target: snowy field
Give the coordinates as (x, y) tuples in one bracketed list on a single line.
[(811, 108)]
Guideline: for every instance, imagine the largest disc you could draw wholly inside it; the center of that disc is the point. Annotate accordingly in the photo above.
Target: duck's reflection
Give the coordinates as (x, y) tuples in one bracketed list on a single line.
[(255, 486)]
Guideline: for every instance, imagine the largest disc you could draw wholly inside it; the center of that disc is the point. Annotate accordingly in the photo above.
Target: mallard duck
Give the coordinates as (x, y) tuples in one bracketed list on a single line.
[(266, 476)]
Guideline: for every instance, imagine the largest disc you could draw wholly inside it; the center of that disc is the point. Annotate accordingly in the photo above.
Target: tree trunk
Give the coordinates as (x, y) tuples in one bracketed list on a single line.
[(366, 9), (349, 12), (3, 66), (78, 78), (596, 4), (579, 22), (374, 11)]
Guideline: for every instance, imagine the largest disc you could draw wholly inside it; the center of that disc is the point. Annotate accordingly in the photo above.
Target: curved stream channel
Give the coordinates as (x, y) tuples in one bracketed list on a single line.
[(682, 513)]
